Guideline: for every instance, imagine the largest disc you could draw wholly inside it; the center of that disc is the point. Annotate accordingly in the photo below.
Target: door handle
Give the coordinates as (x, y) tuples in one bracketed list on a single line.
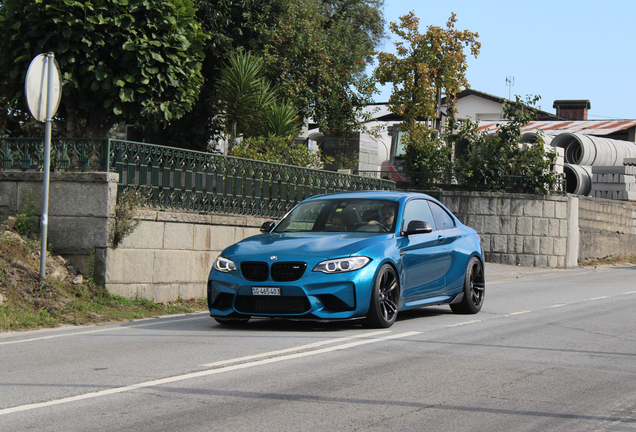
[(441, 238)]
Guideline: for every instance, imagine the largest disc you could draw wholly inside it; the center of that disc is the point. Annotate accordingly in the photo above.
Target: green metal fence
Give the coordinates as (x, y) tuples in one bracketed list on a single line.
[(27, 154), (187, 180)]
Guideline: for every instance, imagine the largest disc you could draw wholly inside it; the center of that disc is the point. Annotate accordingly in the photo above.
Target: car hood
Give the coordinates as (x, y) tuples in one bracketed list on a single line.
[(298, 245)]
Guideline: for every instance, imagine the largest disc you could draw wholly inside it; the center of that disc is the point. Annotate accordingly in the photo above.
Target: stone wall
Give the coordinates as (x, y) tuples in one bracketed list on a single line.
[(519, 229), (607, 228), (170, 254), (81, 210)]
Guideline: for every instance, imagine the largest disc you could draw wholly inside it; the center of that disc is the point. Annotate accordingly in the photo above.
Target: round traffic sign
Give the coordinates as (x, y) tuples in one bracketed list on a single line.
[(37, 86)]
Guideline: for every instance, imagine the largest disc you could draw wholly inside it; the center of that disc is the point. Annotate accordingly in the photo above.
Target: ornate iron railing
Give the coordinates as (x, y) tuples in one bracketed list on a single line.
[(187, 180), (203, 182), (428, 182), (76, 154)]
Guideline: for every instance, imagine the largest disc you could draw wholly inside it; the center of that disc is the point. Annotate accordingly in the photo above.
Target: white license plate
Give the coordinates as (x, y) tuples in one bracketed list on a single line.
[(266, 291)]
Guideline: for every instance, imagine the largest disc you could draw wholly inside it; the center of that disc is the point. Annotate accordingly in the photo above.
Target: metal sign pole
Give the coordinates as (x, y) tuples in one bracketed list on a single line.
[(42, 88), (47, 160)]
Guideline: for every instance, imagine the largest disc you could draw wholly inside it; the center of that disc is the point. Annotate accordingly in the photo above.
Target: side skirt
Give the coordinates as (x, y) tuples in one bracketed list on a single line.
[(458, 298)]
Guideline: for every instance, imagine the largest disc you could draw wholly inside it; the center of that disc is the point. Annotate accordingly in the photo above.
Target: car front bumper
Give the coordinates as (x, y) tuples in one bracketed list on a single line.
[(315, 296)]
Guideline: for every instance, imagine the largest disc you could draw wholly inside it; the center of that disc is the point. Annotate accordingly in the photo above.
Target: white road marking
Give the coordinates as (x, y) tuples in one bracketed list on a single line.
[(293, 349), (559, 305), (629, 292), (199, 374), (463, 323), (58, 335), (598, 298), (152, 321), (517, 313)]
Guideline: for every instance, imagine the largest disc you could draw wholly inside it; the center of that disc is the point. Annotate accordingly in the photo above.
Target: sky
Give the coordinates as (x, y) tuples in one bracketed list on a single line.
[(555, 49)]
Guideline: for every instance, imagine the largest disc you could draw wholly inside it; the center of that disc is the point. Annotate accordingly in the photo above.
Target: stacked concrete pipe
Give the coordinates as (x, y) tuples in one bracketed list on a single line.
[(592, 150), (578, 179), (582, 152)]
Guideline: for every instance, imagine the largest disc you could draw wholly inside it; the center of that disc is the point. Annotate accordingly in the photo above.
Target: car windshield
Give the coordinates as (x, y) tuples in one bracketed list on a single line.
[(338, 215)]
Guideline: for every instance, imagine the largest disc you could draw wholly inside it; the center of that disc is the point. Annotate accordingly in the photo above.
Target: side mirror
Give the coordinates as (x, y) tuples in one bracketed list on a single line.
[(418, 227), (267, 226)]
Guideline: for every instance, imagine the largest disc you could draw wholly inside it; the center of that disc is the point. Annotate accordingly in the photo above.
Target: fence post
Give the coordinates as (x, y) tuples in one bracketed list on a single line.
[(106, 154)]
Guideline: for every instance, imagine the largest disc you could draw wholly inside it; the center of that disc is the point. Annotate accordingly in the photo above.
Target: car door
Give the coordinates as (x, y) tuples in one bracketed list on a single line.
[(447, 235), (425, 257)]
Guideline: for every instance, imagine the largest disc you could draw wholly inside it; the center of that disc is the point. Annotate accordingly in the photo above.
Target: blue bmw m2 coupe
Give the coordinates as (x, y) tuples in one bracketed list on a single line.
[(349, 256)]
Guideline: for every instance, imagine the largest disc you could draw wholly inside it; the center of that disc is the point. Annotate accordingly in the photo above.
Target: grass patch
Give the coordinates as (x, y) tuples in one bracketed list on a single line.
[(26, 304), (55, 304), (614, 260)]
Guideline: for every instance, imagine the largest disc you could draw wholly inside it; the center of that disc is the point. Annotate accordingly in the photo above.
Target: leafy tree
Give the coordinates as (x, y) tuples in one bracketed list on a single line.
[(137, 61), (317, 55), (424, 67), (427, 153), (314, 54), (489, 161), (344, 116), (231, 25)]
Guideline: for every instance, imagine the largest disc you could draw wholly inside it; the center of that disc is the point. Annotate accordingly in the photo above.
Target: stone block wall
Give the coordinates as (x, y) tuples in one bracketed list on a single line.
[(81, 210), (518, 229), (170, 254), (607, 228)]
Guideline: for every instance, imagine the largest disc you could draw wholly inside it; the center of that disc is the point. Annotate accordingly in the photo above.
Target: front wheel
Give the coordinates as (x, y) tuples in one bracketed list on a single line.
[(474, 289), (384, 298)]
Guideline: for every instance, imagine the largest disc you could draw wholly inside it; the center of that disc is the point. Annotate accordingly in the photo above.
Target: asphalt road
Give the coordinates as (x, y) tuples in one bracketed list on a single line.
[(552, 350)]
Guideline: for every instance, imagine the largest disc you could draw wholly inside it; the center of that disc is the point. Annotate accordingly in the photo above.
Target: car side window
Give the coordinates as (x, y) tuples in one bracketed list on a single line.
[(417, 210), (442, 218)]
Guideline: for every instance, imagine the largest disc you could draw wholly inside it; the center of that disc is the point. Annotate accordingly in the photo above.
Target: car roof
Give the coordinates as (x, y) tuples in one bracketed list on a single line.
[(385, 195)]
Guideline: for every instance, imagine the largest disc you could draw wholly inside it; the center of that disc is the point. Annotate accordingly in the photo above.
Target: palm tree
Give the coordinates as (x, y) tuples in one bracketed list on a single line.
[(248, 105), (242, 92), (280, 120)]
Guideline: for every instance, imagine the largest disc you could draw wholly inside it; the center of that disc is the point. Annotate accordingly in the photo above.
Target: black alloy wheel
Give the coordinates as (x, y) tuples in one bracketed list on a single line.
[(474, 289), (384, 298)]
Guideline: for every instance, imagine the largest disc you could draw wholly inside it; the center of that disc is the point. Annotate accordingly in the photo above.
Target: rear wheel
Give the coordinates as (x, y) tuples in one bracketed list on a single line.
[(474, 289), (384, 299)]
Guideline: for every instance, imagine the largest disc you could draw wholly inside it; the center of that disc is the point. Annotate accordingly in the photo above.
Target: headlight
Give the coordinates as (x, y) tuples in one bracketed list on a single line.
[(224, 265), (342, 265)]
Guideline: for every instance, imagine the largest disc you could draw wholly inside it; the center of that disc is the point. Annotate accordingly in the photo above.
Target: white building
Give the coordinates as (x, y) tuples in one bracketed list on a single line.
[(372, 150)]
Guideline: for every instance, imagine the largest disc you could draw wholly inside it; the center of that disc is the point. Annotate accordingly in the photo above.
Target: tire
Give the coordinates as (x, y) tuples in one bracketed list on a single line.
[(231, 321), (474, 289), (384, 299)]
